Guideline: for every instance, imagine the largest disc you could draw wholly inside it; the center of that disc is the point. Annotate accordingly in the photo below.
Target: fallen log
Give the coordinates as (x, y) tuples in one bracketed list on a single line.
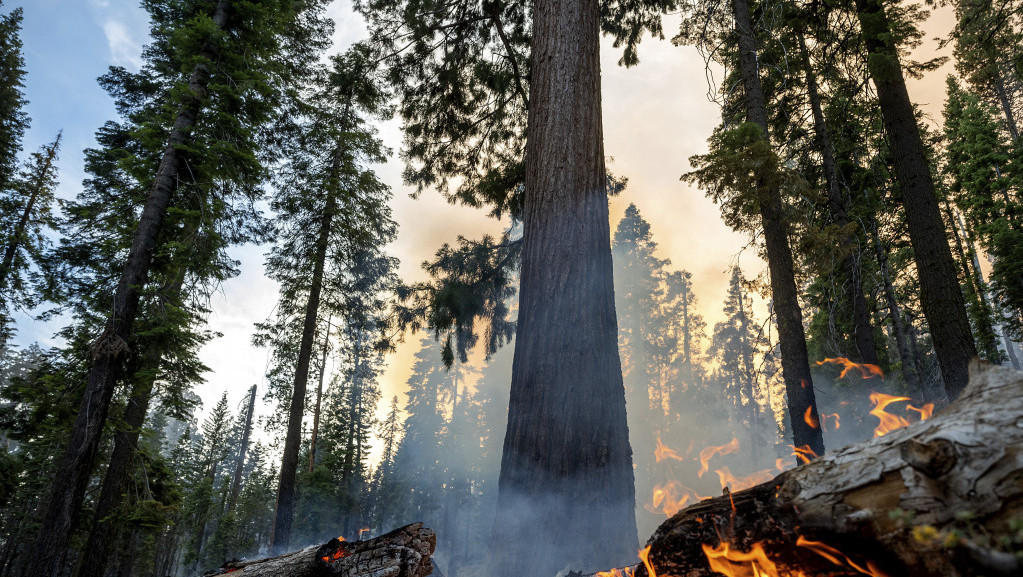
[(404, 552), (942, 497)]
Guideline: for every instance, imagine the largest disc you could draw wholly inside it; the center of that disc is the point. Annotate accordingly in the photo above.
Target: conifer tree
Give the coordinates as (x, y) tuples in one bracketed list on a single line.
[(13, 119), (26, 210), (334, 222)]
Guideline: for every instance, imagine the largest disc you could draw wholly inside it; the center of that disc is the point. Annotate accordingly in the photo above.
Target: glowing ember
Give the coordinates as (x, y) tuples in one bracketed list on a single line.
[(804, 453), (866, 371), (707, 453), (337, 554), (644, 556), (663, 452), (740, 483)]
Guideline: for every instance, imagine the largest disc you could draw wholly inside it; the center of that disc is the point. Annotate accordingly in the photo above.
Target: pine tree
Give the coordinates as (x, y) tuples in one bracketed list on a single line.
[(13, 119), (26, 210)]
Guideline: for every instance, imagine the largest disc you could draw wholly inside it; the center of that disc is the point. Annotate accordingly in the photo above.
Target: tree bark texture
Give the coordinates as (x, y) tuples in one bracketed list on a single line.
[(863, 332), (795, 361), (62, 507), (940, 295), (566, 490), (892, 502), (404, 552), (284, 512)]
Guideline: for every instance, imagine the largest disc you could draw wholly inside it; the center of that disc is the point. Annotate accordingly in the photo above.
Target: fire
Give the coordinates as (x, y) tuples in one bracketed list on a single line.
[(670, 497), (337, 554), (740, 483), (804, 453), (644, 556), (890, 422), (810, 419), (838, 558), (363, 530), (619, 572), (663, 452), (708, 452), (866, 371), (731, 563)]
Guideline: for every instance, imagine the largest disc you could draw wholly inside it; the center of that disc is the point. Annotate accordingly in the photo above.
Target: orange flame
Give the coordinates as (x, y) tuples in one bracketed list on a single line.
[(804, 453), (838, 558), (889, 422), (866, 371), (337, 554), (663, 452), (363, 530), (707, 453), (619, 572), (925, 412), (810, 419), (740, 483), (670, 497), (731, 563), (644, 556)]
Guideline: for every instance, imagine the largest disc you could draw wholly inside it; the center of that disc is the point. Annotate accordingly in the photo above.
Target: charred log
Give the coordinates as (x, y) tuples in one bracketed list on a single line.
[(940, 497), (404, 552)]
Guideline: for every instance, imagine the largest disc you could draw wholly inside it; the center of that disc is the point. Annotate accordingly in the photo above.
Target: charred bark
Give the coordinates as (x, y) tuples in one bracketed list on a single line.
[(404, 552), (940, 296), (795, 361), (68, 489), (927, 500), (567, 493)]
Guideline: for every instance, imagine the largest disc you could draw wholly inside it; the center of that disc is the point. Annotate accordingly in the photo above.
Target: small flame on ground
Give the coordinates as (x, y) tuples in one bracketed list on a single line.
[(708, 452), (726, 561), (337, 554), (866, 371), (804, 453), (618, 572)]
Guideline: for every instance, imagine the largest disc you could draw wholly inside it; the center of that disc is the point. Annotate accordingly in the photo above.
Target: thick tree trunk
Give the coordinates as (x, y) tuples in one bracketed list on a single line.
[(863, 333), (898, 502), (795, 361), (567, 493), (284, 511), (403, 552), (68, 489), (940, 295)]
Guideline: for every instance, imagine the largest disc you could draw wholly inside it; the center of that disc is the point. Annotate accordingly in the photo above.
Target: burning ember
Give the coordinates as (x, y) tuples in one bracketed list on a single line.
[(866, 371), (890, 422), (338, 554)]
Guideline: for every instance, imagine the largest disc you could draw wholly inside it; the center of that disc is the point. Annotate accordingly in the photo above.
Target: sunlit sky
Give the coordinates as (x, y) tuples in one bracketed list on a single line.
[(656, 116)]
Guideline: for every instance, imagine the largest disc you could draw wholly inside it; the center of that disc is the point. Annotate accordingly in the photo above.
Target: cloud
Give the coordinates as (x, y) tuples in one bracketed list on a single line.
[(125, 49)]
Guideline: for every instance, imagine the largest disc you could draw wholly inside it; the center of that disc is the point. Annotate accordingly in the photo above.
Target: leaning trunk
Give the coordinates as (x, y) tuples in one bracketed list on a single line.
[(795, 362), (940, 295), (567, 495), (108, 352)]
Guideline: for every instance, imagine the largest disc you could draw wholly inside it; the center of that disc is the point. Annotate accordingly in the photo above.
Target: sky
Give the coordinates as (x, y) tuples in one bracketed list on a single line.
[(656, 116)]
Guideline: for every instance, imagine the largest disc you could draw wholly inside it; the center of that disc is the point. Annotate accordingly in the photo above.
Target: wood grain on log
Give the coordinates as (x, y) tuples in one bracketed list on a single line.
[(404, 552), (940, 497)]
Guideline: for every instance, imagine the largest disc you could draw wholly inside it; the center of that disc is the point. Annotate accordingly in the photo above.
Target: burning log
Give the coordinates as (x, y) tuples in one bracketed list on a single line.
[(404, 552), (939, 497)]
